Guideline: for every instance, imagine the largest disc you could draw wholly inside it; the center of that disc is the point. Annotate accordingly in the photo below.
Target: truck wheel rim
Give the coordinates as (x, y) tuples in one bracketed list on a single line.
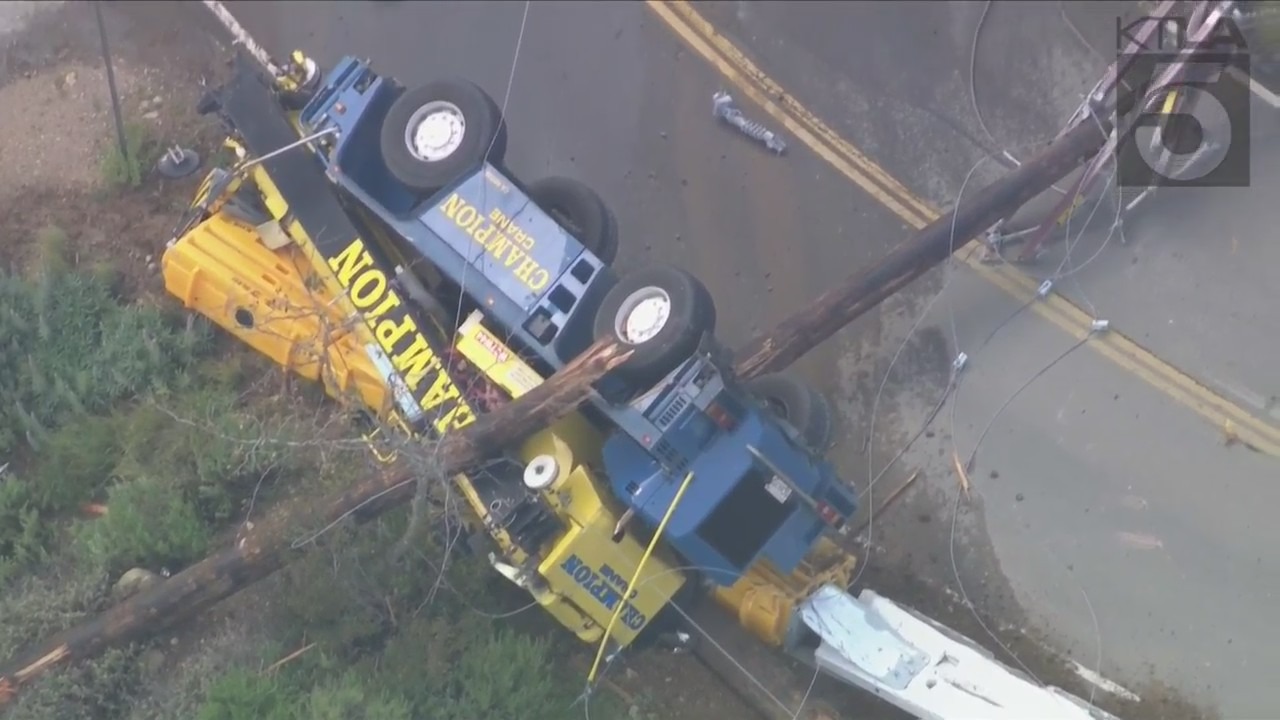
[(435, 131), (642, 315)]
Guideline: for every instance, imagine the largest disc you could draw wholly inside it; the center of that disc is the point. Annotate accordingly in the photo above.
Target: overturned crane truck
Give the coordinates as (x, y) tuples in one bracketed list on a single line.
[(338, 261)]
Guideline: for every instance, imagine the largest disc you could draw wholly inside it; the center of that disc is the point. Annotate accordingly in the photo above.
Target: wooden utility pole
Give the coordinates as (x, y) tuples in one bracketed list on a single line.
[(269, 546), (806, 328)]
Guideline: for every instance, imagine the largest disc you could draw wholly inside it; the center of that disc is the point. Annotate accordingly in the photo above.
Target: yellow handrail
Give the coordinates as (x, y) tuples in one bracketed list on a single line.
[(595, 666)]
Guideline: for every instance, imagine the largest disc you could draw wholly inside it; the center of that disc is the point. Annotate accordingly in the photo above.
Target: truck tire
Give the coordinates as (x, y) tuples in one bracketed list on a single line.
[(796, 404), (434, 134), (660, 313), (581, 211)]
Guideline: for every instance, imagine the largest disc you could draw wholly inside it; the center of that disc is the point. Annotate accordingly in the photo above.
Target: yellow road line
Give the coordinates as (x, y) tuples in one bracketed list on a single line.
[(737, 68)]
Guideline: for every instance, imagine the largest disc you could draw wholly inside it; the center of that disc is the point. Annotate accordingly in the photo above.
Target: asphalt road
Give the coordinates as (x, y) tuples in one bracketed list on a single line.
[(1128, 532), (1107, 517)]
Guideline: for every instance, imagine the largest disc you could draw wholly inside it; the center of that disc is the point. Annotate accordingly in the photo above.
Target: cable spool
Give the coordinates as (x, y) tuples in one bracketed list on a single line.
[(541, 472)]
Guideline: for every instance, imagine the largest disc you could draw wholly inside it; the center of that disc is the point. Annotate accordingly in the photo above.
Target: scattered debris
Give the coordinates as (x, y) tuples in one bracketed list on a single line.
[(1140, 541), (178, 162), (961, 474), (722, 107), (1231, 437), (1104, 684), (288, 658), (884, 504)]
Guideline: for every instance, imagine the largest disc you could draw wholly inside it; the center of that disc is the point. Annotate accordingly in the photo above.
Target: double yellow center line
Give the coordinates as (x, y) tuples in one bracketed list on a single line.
[(701, 36)]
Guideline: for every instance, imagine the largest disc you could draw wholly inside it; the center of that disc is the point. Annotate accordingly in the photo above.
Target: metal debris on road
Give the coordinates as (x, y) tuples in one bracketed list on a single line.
[(722, 107), (1140, 541), (961, 475)]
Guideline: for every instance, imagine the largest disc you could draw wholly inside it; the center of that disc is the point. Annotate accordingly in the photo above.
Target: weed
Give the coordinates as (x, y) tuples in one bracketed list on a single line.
[(51, 250), (93, 690), (22, 535), (76, 463), (127, 170), (350, 697), (216, 451), (148, 523), (369, 608), (244, 695), (67, 347), (38, 606), (504, 675)]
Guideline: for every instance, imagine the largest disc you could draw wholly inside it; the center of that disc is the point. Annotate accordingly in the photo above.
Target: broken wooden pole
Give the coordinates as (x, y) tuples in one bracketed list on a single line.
[(271, 545), (815, 322)]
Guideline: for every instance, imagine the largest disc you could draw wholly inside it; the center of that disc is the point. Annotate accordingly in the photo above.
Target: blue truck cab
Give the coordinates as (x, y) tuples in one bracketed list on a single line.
[(758, 491), (481, 230)]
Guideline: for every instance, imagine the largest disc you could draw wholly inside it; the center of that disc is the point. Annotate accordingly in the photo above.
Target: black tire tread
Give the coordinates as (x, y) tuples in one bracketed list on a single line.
[(804, 409), (485, 134), (581, 207), (692, 315)]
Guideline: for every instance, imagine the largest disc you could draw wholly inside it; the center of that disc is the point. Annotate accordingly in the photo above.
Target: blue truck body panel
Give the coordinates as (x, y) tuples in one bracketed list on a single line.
[(756, 492), (512, 243), (482, 232)]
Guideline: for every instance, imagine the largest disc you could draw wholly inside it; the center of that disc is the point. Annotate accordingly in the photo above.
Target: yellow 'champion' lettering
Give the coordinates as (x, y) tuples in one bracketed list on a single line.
[(398, 335), (501, 238)]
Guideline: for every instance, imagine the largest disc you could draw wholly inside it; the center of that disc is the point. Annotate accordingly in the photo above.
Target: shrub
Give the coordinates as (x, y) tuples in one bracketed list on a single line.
[(22, 535), (38, 606), (216, 451), (371, 608), (350, 697), (122, 170), (35, 607), (506, 675), (68, 347), (96, 689), (76, 462), (148, 523), (244, 695), (347, 595)]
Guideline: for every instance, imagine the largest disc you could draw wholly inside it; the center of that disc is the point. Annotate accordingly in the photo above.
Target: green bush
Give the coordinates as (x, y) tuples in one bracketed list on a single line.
[(96, 689), (245, 695), (347, 594), (506, 675), (120, 170), (40, 605), (68, 347), (75, 463), (205, 442), (22, 534), (37, 606), (350, 697), (413, 634), (149, 523)]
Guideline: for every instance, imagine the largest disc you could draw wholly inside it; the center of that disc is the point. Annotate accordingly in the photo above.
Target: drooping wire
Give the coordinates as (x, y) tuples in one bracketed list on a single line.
[(502, 114), (948, 390)]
